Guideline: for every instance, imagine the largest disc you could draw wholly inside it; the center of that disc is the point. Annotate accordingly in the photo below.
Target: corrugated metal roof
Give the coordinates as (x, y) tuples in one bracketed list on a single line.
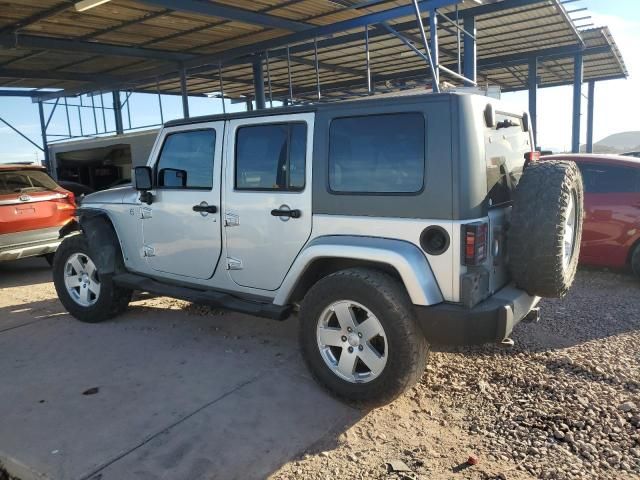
[(159, 38)]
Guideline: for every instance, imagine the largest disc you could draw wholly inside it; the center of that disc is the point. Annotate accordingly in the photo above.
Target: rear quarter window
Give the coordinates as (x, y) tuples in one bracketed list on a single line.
[(377, 154)]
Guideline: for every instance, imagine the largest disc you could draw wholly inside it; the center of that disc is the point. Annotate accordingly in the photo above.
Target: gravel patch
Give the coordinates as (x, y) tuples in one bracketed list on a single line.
[(564, 403)]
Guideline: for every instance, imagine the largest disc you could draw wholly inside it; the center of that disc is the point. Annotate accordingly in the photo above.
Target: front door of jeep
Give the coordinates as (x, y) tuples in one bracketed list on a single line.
[(267, 196), (181, 228)]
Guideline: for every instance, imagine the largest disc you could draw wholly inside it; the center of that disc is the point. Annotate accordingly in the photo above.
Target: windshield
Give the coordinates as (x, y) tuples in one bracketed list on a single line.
[(22, 181)]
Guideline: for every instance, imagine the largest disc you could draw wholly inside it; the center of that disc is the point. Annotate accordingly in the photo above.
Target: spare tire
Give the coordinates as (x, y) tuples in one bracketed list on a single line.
[(546, 228)]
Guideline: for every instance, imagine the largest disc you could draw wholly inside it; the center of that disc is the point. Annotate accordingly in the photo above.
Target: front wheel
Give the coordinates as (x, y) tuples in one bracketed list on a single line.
[(87, 295), (359, 337)]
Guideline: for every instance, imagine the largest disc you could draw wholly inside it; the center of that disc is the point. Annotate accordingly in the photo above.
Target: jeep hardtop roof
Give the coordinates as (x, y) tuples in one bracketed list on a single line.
[(313, 107)]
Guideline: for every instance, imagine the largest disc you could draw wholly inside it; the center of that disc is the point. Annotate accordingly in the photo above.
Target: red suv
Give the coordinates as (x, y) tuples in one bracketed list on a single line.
[(35, 212), (611, 230)]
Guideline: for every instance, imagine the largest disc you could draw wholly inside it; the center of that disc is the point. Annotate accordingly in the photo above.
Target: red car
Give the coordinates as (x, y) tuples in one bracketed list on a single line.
[(35, 212), (611, 231)]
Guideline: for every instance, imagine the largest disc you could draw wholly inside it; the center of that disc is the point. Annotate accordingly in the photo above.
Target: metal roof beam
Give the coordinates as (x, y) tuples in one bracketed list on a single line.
[(67, 76), (234, 53), (4, 92), (555, 52), (321, 64), (498, 7), (214, 9), (36, 17), (38, 42)]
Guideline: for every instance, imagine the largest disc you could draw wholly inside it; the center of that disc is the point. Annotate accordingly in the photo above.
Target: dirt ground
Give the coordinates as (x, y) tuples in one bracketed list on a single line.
[(561, 404)]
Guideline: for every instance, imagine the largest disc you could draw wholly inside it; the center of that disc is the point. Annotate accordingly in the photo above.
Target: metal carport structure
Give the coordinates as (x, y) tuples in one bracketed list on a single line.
[(299, 51)]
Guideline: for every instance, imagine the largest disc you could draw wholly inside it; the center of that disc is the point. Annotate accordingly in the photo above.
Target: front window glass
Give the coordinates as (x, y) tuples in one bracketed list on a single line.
[(186, 160)]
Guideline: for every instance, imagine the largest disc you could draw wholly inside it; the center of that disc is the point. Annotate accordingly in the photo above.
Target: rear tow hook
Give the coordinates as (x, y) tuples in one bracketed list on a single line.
[(533, 316), (507, 343)]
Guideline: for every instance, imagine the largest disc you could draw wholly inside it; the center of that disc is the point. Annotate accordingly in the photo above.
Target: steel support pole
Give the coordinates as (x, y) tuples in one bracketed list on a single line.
[(95, 117), (431, 59), (117, 112), (533, 97), (160, 102), (368, 58), (289, 76), (470, 50), (269, 79), (43, 130), (317, 68), (433, 31), (590, 110), (258, 84), (578, 71), (184, 92), (66, 111), (224, 108)]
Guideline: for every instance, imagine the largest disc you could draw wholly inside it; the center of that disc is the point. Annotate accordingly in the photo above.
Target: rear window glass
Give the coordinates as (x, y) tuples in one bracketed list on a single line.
[(21, 181), (271, 157), (377, 154), (609, 179)]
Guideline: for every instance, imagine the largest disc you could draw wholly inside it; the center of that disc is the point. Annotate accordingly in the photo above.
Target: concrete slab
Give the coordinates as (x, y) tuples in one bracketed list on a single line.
[(161, 392)]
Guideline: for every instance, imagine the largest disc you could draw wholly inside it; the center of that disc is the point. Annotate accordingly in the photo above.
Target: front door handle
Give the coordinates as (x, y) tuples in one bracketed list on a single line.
[(278, 212), (205, 208)]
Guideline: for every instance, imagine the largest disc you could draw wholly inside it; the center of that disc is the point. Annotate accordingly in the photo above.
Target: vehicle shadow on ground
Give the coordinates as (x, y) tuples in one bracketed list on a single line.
[(24, 272), (252, 406)]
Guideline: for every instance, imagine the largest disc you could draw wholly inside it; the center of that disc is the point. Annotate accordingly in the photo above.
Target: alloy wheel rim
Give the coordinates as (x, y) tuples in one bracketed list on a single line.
[(81, 279), (569, 238), (352, 341)]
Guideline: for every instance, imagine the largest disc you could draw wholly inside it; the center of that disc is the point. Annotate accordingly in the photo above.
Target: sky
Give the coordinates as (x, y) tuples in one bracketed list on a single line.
[(616, 104)]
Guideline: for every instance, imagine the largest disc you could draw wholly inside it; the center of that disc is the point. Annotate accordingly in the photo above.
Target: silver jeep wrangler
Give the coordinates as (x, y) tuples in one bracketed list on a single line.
[(385, 224)]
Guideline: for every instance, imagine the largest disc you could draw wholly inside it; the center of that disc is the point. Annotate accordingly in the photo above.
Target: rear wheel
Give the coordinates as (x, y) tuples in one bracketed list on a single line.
[(359, 337), (87, 295)]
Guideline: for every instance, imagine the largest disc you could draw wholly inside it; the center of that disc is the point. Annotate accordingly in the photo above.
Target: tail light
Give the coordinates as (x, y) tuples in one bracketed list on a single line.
[(532, 156), (66, 200), (474, 243)]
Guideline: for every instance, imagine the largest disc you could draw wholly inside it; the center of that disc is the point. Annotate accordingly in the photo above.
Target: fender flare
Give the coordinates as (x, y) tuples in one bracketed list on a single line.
[(407, 259), (102, 240)]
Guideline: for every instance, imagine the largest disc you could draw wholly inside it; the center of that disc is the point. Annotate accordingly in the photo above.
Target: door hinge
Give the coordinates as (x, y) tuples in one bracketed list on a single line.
[(148, 251), (234, 263), (146, 212), (231, 220)]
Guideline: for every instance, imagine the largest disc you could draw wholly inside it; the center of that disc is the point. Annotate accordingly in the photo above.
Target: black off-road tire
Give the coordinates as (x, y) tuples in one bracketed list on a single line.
[(635, 261), (112, 299), (386, 298), (536, 234)]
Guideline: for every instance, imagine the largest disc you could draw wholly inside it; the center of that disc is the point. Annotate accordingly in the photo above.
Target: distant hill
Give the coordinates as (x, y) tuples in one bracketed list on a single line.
[(622, 142), (618, 143)]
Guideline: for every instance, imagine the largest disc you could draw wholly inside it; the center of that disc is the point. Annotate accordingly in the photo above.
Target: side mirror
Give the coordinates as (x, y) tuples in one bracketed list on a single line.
[(172, 178), (143, 178)]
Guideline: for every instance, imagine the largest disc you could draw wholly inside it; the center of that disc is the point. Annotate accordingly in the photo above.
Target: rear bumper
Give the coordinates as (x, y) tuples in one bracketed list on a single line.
[(488, 322), (30, 243)]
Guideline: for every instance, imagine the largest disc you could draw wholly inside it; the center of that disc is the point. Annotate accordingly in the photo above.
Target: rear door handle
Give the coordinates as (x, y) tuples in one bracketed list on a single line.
[(205, 208), (286, 213)]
